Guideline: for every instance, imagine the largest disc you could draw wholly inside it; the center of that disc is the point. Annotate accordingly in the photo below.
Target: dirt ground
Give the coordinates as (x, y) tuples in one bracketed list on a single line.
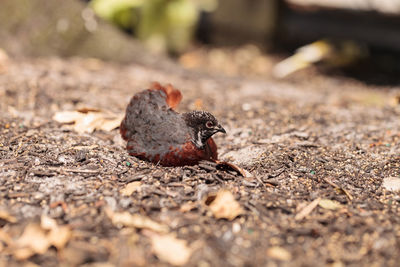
[(317, 147)]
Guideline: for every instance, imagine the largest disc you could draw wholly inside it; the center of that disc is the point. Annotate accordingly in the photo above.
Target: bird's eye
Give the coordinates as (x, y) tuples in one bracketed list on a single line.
[(209, 124)]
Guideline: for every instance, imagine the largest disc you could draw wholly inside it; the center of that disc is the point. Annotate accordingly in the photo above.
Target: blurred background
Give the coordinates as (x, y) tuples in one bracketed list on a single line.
[(281, 39)]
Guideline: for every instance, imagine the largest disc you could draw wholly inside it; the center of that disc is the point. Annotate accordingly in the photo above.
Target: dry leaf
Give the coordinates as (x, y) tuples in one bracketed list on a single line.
[(224, 205), (66, 116), (6, 216), (32, 241), (135, 220), (279, 253), (36, 239), (329, 204), (88, 119), (170, 249), (5, 237), (223, 165), (130, 188), (188, 206), (60, 236), (307, 210), (111, 124)]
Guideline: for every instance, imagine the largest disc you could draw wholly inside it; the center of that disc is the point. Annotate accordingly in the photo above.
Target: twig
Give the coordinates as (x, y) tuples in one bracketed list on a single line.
[(307, 209), (81, 171), (265, 184), (350, 197), (76, 170)]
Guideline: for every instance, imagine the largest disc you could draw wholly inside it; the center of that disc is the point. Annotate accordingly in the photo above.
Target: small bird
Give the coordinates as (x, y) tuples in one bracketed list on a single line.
[(155, 132)]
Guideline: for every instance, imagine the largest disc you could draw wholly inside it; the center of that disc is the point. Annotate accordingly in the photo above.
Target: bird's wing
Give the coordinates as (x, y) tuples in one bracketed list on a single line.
[(174, 96), (150, 125)]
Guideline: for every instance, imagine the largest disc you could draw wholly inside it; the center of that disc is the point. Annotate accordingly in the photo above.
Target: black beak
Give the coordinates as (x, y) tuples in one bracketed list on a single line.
[(220, 129)]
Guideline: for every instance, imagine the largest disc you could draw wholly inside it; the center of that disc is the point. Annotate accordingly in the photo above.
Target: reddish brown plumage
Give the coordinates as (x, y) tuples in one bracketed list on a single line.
[(174, 96), (155, 132)]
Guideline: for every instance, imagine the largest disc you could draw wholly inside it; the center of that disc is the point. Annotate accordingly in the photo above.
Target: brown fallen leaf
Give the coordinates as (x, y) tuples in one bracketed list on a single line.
[(170, 249), (279, 253), (67, 116), (89, 119), (135, 220), (130, 188), (307, 209), (329, 204), (6, 238), (37, 238), (223, 165), (6, 216), (188, 206), (58, 235), (32, 241), (223, 205)]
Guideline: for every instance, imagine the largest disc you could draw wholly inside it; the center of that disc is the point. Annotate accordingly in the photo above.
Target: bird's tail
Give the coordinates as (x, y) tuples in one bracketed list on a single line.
[(123, 130), (174, 96)]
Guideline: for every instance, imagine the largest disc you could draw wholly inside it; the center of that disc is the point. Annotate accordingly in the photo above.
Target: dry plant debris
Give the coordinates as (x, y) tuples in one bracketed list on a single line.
[(307, 209), (130, 188), (279, 253), (87, 120), (170, 249), (135, 220), (223, 205), (37, 238), (6, 216), (326, 145), (329, 204)]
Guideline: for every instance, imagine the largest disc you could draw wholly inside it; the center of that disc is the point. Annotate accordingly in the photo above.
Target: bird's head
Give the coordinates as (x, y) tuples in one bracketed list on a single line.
[(204, 125)]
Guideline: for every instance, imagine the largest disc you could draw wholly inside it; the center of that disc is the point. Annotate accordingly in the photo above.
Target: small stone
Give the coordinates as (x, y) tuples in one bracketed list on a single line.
[(236, 228), (158, 174), (125, 202), (391, 184), (61, 159), (80, 155)]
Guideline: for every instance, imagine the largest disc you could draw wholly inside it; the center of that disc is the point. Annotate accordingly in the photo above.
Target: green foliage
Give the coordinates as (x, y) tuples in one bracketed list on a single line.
[(164, 25), (120, 12)]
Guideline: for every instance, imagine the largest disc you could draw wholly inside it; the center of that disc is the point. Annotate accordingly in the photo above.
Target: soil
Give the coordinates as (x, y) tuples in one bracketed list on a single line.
[(305, 140)]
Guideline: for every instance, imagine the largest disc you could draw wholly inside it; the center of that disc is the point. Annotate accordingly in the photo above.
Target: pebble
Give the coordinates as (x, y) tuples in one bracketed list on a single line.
[(158, 174), (391, 184)]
